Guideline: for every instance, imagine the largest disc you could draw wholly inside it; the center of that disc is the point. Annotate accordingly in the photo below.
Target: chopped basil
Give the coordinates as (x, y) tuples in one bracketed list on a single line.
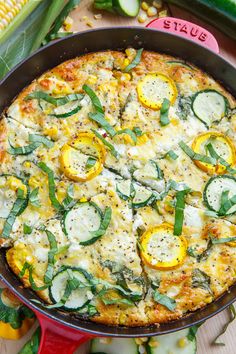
[(135, 62), (191, 251), (51, 257), (17, 209), (201, 280), (106, 219), (179, 211), (164, 300), (56, 101), (51, 185), (117, 301), (66, 114), (69, 201), (171, 154), (232, 313), (99, 115), (164, 119), (137, 131), (225, 203), (35, 139), (193, 331), (105, 142), (33, 198), (195, 156), (130, 132), (29, 267), (218, 158), (90, 162), (219, 241), (27, 229)]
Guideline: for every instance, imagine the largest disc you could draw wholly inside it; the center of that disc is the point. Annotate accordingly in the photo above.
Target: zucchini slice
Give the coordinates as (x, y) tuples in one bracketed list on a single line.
[(176, 343), (125, 189), (127, 8), (67, 110), (150, 175), (114, 346), (209, 106), (213, 193), (81, 221), (142, 197), (78, 298)]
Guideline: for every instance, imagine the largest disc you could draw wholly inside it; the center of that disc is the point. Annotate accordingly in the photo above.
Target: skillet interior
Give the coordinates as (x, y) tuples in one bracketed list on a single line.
[(96, 40)]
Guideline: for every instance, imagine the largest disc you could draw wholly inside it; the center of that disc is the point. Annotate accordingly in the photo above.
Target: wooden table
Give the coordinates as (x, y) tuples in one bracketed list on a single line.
[(227, 49)]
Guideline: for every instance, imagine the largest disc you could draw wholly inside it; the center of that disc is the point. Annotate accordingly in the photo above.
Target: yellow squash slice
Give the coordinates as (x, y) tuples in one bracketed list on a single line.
[(161, 249), (153, 88), (221, 144), (75, 154)]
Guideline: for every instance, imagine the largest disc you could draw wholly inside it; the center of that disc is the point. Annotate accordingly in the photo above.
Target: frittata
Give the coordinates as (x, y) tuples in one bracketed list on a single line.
[(118, 187)]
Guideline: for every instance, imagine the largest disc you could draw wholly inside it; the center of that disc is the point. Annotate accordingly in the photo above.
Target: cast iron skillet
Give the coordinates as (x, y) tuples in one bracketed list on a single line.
[(61, 333)]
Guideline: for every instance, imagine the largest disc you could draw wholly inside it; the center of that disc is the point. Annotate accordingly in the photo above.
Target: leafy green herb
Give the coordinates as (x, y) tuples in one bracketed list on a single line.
[(51, 257), (27, 229), (105, 142), (66, 114), (34, 199), (195, 156), (219, 241), (184, 107), (90, 162), (164, 112), (191, 251), (201, 280), (32, 346), (51, 185), (219, 159), (56, 101), (129, 132), (171, 154), (226, 203), (164, 300), (179, 211), (193, 331), (35, 139), (91, 309), (135, 62), (17, 209), (69, 201), (232, 313), (104, 5), (29, 267), (117, 301), (137, 131)]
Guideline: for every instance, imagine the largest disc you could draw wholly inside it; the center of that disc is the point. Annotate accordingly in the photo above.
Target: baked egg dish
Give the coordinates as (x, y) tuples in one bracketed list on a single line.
[(118, 188)]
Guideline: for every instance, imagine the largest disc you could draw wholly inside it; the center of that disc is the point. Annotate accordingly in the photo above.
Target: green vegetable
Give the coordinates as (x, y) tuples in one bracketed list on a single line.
[(128, 132), (32, 346), (13, 315), (137, 131), (171, 154), (117, 301), (51, 185), (17, 209), (33, 285), (195, 156), (164, 300), (105, 142), (51, 257), (201, 280), (219, 241), (106, 219), (90, 162), (219, 159), (219, 13), (164, 119), (56, 101), (69, 201), (35, 139), (94, 98), (232, 313), (135, 62), (193, 331), (122, 7), (179, 211), (27, 229), (33, 198)]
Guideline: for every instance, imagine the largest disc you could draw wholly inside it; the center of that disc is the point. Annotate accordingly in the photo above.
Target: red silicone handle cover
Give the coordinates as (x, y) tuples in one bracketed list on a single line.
[(57, 338), (186, 29)]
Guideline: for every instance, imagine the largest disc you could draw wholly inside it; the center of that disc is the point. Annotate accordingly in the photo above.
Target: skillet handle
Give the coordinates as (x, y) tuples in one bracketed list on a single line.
[(186, 29), (56, 338)]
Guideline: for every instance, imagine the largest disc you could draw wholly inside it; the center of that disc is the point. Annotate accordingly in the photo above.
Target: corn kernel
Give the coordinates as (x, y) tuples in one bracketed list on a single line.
[(175, 121), (92, 79), (67, 24), (130, 52), (138, 341), (182, 342), (125, 77), (142, 139), (97, 16), (14, 184), (153, 343), (52, 132), (142, 18), (152, 11), (163, 13), (85, 18), (34, 182), (89, 24), (83, 200), (157, 4), (144, 6), (27, 164), (126, 62)]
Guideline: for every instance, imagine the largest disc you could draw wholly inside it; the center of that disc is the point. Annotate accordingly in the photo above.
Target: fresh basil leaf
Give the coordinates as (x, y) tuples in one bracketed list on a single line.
[(17, 209), (179, 211), (225, 203), (100, 119), (22, 150), (164, 300), (105, 142), (137, 131), (51, 185), (69, 201), (232, 313), (94, 98), (66, 114), (191, 251), (201, 280), (29, 267), (164, 112), (32, 346), (171, 154), (33, 198), (92, 311), (195, 156), (219, 159), (37, 138), (193, 331), (55, 101), (135, 62), (27, 229), (106, 219), (117, 301), (128, 132), (219, 241), (51, 257), (90, 162)]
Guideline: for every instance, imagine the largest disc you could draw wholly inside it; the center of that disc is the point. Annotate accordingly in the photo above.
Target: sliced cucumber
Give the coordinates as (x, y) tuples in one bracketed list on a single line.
[(209, 106), (128, 8), (114, 346), (143, 197), (150, 175), (67, 110), (125, 189), (80, 221), (79, 297), (176, 343), (181, 63), (213, 192)]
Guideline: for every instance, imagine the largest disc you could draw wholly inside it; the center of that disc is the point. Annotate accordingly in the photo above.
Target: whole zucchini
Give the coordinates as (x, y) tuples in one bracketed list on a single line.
[(219, 13)]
